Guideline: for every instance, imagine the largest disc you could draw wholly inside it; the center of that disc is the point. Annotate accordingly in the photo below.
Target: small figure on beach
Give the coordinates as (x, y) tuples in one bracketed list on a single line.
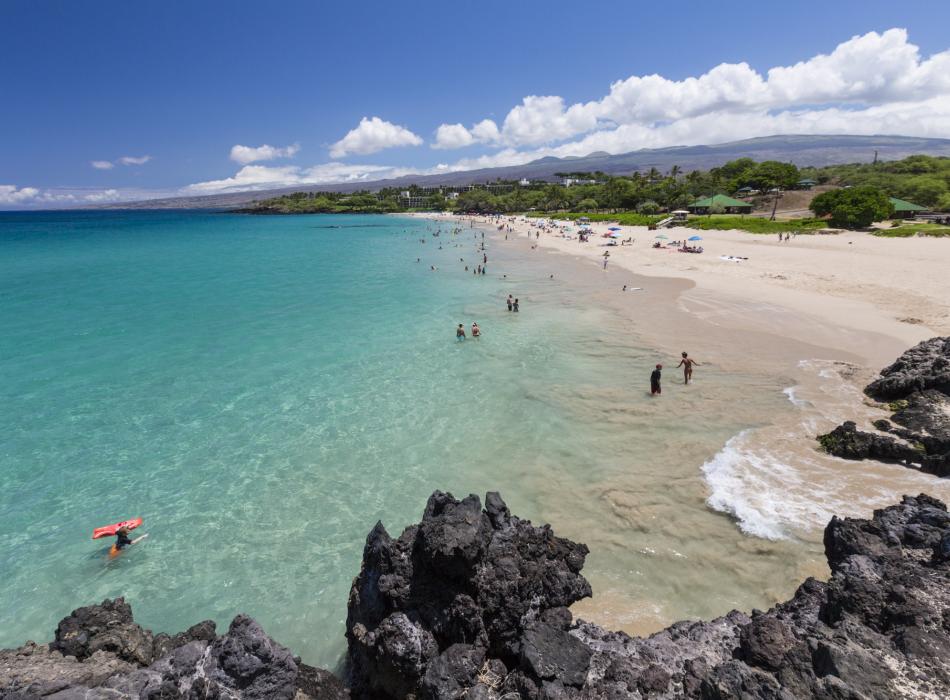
[(687, 364), (655, 381), (460, 333), (476, 331)]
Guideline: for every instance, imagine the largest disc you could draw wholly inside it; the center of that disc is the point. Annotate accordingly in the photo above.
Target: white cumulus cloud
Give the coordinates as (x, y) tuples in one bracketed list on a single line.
[(373, 135), (873, 83), (261, 177), (10, 194), (251, 154), (102, 164), (103, 196), (134, 160)]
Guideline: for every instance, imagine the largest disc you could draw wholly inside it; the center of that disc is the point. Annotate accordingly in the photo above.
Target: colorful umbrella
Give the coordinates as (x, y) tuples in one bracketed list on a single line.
[(695, 238), (615, 228)]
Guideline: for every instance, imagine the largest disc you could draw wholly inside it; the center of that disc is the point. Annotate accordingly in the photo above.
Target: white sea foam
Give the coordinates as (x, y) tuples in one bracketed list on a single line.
[(792, 393), (738, 486)]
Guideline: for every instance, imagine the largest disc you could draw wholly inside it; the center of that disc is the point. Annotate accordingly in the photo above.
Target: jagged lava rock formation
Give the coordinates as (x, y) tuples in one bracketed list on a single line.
[(101, 653), (472, 603), (917, 389)]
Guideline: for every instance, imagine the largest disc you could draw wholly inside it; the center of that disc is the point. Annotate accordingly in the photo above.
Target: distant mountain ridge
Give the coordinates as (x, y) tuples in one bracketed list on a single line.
[(802, 150)]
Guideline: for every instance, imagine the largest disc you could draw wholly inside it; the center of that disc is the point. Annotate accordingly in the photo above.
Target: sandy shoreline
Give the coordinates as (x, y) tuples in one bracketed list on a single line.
[(854, 293)]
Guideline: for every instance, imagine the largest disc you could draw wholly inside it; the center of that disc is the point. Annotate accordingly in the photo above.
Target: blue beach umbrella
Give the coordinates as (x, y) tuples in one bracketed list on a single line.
[(695, 238), (615, 228)]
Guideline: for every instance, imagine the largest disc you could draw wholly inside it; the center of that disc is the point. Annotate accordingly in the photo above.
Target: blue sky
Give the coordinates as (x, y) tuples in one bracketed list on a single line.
[(172, 87)]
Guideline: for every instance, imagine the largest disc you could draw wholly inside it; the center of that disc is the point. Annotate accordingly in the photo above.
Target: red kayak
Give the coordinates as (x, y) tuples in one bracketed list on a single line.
[(110, 530)]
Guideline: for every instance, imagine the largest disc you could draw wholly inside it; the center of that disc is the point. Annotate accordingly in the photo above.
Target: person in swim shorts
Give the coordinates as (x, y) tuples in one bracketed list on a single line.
[(655, 381)]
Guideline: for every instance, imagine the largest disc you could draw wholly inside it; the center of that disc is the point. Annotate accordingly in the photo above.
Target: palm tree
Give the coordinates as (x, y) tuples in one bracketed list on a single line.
[(653, 175), (674, 171)]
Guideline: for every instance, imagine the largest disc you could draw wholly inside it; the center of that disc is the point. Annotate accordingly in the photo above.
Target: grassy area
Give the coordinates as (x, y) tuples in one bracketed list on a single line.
[(723, 222), (909, 229)]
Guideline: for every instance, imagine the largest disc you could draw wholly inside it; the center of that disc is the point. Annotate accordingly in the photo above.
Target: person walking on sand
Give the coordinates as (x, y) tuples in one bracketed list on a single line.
[(655, 381), (460, 333), (687, 364)]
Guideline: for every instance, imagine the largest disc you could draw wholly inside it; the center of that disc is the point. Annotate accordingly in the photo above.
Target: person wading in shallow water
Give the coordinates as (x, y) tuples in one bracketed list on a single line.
[(655, 381), (687, 364), (460, 333)]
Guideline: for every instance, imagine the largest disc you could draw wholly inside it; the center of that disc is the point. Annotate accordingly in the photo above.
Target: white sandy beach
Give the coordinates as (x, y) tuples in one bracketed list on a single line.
[(826, 290)]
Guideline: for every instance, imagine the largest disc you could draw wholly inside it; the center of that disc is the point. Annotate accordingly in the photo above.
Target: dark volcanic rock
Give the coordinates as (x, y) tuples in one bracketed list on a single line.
[(463, 576), (879, 628), (917, 388), (100, 653), (472, 604), (924, 366)]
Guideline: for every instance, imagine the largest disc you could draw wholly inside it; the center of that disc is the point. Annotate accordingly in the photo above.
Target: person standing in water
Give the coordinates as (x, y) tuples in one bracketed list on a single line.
[(687, 364), (511, 303), (514, 307), (655, 381), (476, 331), (460, 333)]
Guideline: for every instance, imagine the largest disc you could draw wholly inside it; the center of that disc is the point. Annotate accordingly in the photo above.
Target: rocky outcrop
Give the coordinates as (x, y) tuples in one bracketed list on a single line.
[(917, 391), (472, 603), (464, 586), (100, 652)]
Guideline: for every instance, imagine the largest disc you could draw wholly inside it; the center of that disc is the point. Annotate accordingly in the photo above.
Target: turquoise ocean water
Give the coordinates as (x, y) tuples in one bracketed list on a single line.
[(263, 389)]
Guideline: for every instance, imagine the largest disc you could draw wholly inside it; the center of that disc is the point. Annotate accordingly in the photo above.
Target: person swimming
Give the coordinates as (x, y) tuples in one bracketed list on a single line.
[(655, 381), (122, 538), (687, 364)]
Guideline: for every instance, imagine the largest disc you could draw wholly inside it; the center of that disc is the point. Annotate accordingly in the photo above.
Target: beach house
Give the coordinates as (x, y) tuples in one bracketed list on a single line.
[(728, 205)]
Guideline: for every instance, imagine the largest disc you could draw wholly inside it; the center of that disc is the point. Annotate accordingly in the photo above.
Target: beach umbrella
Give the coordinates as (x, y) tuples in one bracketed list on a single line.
[(615, 228), (695, 238), (661, 236)]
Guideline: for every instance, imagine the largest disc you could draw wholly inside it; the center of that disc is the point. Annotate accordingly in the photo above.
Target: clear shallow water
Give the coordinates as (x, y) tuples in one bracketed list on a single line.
[(263, 389)]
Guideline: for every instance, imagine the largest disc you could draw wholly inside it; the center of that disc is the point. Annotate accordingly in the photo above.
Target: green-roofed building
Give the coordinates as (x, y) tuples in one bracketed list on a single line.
[(904, 209), (807, 183), (727, 204)]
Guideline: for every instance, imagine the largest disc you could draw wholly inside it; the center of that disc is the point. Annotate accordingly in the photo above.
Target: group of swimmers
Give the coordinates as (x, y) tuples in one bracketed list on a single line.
[(460, 331), (687, 363)]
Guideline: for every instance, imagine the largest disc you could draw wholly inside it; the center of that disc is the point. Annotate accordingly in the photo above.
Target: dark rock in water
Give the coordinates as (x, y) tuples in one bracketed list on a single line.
[(879, 628), (100, 652), (848, 442), (472, 604), (917, 388)]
